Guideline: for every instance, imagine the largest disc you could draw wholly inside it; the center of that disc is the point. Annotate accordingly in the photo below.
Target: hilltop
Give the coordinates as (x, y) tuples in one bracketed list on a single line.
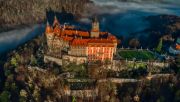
[(20, 12)]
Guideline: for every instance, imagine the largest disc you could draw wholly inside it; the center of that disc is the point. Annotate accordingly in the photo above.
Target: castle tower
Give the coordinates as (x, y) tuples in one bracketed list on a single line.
[(49, 35), (56, 26), (95, 28), (56, 22), (48, 28)]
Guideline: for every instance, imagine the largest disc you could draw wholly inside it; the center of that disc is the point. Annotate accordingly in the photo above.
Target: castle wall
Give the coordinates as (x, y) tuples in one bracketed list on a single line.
[(77, 60), (78, 51), (52, 59), (155, 66)]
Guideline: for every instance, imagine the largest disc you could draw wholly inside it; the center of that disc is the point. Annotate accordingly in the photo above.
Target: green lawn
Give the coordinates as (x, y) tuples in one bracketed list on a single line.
[(137, 65), (139, 55)]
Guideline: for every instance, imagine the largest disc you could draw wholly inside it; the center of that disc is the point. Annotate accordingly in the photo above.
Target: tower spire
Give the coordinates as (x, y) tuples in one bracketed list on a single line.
[(95, 19), (95, 28), (95, 25), (47, 23), (48, 28), (56, 22)]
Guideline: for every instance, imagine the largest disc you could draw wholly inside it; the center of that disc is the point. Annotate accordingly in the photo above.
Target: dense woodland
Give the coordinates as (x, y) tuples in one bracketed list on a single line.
[(20, 12), (162, 27)]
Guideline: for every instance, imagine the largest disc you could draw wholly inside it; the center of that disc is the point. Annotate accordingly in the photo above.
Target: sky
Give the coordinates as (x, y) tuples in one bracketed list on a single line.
[(115, 6)]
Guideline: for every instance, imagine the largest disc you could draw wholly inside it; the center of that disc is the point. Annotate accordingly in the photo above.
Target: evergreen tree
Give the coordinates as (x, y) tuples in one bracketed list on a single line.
[(159, 47), (23, 96), (14, 87), (33, 60), (73, 99), (14, 62), (177, 96), (5, 96), (134, 43), (178, 61)]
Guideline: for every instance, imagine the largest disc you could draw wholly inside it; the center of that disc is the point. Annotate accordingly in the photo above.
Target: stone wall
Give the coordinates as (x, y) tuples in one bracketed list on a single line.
[(118, 65), (52, 59), (78, 51), (77, 60), (118, 80), (84, 93)]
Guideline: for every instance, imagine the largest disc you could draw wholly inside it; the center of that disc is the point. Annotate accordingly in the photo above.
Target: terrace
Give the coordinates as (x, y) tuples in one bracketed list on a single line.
[(138, 54)]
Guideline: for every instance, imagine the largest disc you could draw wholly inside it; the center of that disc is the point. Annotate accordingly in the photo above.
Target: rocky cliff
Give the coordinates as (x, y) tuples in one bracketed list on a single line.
[(25, 12)]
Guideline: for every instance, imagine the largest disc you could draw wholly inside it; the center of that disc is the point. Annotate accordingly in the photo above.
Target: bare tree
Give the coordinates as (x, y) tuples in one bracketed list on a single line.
[(134, 43)]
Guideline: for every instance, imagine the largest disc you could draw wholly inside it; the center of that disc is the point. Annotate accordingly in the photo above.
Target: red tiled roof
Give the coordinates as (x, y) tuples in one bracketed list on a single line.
[(100, 45), (80, 42), (92, 42), (178, 46), (66, 33), (100, 41), (66, 38), (83, 33), (103, 33), (49, 29), (112, 37), (57, 30), (75, 32)]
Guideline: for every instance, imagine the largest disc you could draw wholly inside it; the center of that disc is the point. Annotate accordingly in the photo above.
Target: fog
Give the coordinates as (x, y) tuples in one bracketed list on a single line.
[(126, 18), (11, 39)]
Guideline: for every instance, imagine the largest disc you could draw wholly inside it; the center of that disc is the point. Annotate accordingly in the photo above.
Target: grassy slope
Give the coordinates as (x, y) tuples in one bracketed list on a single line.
[(130, 54)]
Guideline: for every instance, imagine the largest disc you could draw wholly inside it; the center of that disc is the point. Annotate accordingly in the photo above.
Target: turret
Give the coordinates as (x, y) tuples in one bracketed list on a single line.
[(49, 36), (56, 26), (95, 28), (56, 22), (48, 29)]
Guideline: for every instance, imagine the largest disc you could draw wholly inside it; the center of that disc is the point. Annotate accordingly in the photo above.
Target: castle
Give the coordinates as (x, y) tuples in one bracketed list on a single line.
[(66, 42)]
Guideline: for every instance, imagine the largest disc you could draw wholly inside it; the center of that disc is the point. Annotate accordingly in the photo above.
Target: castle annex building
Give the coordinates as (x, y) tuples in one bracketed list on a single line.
[(76, 45)]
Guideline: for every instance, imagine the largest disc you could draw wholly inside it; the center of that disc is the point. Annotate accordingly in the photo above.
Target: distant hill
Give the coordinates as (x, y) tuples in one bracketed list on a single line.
[(23, 12), (162, 26)]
